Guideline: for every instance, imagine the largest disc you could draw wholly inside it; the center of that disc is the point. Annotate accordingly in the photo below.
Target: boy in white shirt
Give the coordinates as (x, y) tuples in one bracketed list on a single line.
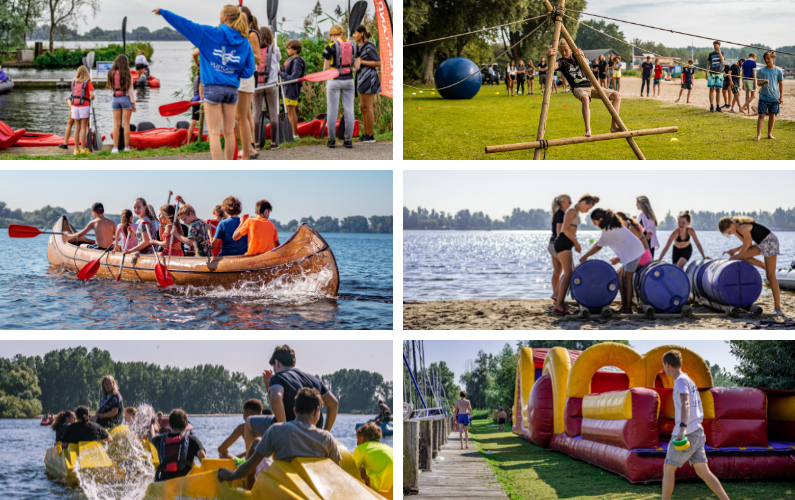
[(688, 416)]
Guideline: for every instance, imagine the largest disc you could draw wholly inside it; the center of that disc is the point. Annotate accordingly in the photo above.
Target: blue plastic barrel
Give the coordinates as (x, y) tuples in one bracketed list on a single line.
[(452, 71), (594, 284), (729, 282), (663, 286)]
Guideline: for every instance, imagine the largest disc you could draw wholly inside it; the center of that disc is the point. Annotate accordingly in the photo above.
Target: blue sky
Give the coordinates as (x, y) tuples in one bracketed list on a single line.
[(248, 356), (455, 353), (497, 193), (293, 194), (139, 13), (748, 22)]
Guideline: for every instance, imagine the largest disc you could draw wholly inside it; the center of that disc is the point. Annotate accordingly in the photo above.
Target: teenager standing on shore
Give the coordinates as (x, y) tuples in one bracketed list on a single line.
[(564, 243)]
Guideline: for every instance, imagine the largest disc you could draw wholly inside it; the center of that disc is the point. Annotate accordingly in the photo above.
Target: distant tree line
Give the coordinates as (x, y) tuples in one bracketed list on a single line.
[(46, 217), (66, 378), (536, 218), (141, 33)]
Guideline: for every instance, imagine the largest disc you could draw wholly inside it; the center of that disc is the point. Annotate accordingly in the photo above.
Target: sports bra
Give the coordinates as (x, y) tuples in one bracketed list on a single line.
[(678, 237), (576, 220)]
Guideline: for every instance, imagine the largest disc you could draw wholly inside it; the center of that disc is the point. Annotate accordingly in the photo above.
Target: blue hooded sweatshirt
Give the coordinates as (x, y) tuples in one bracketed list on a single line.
[(226, 56)]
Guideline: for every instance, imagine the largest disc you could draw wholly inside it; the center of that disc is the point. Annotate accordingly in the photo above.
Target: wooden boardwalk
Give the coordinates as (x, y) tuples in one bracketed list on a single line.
[(459, 474)]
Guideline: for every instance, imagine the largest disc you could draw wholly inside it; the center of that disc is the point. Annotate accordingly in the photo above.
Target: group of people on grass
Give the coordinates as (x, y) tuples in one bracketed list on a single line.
[(231, 61), (634, 240), (293, 427), (182, 232)]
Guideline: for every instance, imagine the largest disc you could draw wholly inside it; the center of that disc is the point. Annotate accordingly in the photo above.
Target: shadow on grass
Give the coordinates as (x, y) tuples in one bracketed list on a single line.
[(527, 471)]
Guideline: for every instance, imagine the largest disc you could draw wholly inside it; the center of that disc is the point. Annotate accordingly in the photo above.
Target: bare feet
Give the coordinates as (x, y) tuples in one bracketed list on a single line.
[(677, 100), (770, 136), (758, 137), (688, 102), (754, 109), (614, 128), (587, 133)]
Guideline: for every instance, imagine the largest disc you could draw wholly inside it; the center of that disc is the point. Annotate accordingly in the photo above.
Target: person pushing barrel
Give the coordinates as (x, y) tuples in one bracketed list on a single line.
[(688, 438)]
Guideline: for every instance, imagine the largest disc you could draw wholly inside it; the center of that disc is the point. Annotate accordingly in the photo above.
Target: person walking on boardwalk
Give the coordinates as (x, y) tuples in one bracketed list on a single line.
[(463, 411)]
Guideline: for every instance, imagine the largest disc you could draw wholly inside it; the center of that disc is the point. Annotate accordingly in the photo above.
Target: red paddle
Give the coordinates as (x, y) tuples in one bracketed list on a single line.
[(122, 266), (164, 277), (320, 76), (18, 231), (5, 132), (92, 267), (177, 108), (171, 238)]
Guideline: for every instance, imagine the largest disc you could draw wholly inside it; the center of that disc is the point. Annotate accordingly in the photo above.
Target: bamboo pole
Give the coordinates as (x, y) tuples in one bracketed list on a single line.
[(586, 68), (542, 121), (579, 140)]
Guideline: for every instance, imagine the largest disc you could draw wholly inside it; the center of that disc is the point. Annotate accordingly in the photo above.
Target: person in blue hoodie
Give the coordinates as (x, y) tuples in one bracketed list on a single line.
[(225, 57)]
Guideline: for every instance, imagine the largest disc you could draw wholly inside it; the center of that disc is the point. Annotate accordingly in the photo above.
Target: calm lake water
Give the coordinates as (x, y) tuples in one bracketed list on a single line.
[(34, 295), (24, 442), (485, 265), (46, 110)]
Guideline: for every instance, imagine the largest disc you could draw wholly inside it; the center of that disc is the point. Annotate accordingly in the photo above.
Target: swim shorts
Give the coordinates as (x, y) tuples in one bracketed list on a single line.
[(194, 111), (220, 94), (657, 81), (736, 89), (694, 454), (501, 421), (715, 80), (687, 86), (726, 84), (591, 92), (769, 246), (749, 85), (463, 418), (768, 108)]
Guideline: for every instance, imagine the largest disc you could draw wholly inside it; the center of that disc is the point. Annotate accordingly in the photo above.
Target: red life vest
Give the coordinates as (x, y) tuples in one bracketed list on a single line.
[(343, 57), (263, 70), (173, 452), (117, 91), (79, 92)]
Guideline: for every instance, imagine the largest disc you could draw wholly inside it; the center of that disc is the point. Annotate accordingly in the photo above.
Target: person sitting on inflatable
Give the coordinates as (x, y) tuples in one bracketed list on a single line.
[(289, 440), (111, 407), (580, 85), (373, 458), (84, 430), (251, 408), (176, 449), (385, 414), (688, 416)]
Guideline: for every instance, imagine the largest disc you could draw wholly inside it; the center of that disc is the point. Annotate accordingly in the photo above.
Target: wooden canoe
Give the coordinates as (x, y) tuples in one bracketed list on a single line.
[(305, 255)]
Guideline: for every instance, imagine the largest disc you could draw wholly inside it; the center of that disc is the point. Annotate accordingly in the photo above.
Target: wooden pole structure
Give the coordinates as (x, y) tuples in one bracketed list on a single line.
[(579, 140), (542, 122), (426, 445), (586, 68), (411, 453)]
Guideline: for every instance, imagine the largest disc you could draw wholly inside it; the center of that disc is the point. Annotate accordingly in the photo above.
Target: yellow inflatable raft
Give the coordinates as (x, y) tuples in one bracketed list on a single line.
[(61, 460)]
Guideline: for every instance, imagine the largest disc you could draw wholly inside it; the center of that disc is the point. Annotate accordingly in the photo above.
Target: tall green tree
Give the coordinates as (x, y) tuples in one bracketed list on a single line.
[(355, 389), (447, 377), (768, 364)]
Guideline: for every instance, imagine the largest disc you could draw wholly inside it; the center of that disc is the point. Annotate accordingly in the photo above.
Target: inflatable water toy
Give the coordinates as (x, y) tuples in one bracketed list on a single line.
[(453, 70), (725, 282), (12, 138), (151, 81), (46, 421), (594, 284), (623, 420), (305, 255)]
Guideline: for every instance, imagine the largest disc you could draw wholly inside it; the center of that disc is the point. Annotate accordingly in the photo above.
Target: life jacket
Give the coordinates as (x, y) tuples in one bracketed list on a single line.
[(263, 70), (117, 91), (343, 57), (79, 92), (173, 452)]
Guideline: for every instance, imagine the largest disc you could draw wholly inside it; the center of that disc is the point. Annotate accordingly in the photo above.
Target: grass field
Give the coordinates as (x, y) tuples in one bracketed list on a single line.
[(441, 129), (527, 471)]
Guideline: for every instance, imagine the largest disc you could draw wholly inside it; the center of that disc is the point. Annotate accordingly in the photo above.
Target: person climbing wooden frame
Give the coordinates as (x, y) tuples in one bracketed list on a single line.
[(585, 67)]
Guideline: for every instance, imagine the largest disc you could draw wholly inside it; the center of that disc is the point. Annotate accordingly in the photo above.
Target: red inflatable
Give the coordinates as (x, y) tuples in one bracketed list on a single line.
[(151, 81), (12, 139), (313, 128), (540, 412), (158, 138)]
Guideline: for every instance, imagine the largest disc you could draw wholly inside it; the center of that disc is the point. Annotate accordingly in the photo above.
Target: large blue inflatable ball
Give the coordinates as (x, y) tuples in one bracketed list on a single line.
[(454, 70)]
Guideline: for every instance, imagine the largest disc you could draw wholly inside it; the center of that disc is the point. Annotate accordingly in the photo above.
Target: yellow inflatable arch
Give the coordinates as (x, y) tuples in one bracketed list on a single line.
[(692, 364), (558, 365), (525, 378)]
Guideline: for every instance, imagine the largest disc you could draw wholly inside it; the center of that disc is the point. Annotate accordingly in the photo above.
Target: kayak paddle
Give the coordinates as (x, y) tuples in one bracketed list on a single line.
[(92, 267), (164, 277), (122, 266), (356, 15), (19, 231), (177, 108), (320, 76), (174, 230)]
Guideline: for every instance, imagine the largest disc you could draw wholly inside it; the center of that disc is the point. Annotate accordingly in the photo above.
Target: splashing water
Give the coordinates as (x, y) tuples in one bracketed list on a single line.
[(132, 469), (285, 290)]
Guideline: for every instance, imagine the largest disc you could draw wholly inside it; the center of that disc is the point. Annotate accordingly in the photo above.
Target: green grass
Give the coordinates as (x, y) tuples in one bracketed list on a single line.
[(193, 148), (444, 129), (527, 471)]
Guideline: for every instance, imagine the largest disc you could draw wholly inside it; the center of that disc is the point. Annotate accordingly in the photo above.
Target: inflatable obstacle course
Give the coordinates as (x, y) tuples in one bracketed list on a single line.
[(623, 420)]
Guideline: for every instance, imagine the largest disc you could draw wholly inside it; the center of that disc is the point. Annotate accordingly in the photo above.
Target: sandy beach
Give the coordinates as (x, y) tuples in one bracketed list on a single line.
[(536, 315), (669, 92)]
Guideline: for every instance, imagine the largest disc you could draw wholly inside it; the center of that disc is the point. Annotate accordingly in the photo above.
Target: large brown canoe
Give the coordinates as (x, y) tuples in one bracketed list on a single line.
[(305, 255)]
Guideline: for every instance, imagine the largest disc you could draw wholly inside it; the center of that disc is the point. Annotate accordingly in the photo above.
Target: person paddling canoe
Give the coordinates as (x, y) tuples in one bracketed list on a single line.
[(104, 229)]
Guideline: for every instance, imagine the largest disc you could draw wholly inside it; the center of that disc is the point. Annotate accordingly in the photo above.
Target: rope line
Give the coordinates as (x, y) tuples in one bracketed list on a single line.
[(488, 63), (473, 32), (681, 33), (659, 55)]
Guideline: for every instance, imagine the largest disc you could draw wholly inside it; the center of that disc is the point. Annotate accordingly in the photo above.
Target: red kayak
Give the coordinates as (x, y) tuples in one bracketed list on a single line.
[(36, 140), (151, 81), (158, 138), (313, 128), (12, 139)]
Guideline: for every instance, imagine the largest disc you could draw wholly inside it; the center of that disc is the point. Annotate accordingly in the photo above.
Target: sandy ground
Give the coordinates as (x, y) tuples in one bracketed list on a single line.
[(669, 91), (536, 315)]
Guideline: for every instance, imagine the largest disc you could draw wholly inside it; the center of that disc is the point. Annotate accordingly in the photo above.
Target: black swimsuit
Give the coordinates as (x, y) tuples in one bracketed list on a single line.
[(685, 252)]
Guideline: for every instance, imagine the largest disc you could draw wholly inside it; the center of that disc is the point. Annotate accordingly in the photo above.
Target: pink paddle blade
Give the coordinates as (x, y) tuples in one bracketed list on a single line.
[(176, 108)]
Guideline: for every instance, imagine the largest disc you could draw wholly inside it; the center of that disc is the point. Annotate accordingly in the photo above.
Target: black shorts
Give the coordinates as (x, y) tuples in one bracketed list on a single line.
[(502, 421), (602, 76), (726, 84), (679, 253), (194, 112), (687, 86), (563, 243)]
